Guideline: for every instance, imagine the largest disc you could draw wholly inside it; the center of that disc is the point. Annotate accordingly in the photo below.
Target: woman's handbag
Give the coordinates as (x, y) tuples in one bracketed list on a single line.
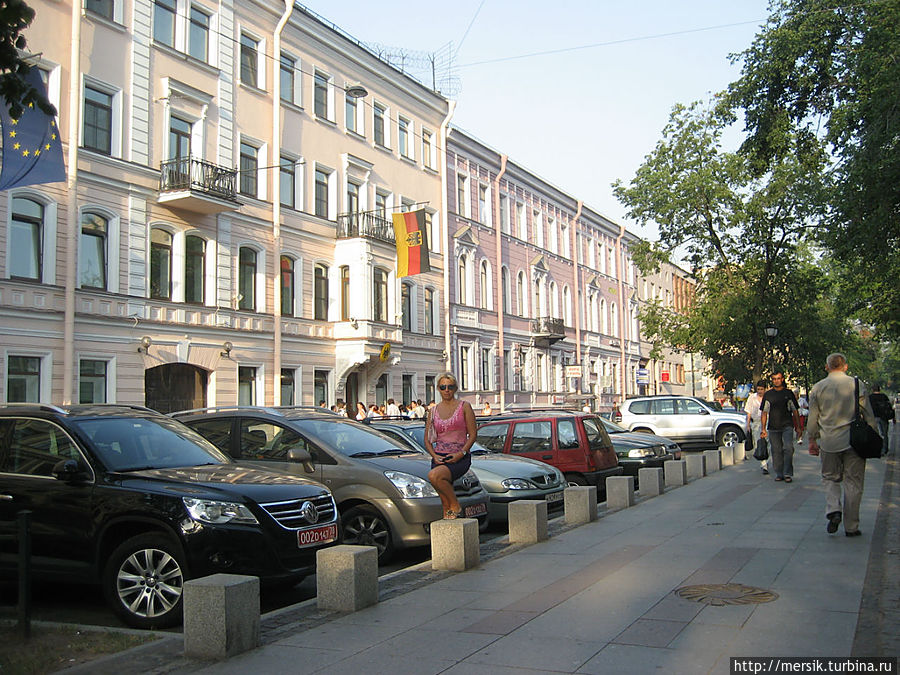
[(863, 438), (762, 450)]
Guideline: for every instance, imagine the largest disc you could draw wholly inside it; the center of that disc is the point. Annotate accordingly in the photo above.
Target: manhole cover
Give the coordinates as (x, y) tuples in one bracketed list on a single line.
[(726, 594)]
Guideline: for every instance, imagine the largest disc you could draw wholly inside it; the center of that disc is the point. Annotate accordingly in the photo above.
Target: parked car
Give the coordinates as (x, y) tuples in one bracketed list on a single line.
[(640, 450), (136, 502), (505, 478), (381, 489), (689, 421), (574, 442)]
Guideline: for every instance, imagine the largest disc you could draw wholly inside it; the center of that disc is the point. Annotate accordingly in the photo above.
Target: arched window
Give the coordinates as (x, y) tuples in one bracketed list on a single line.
[(345, 293), (379, 296), (247, 278), (604, 317), (536, 307), (406, 306), (485, 284), (287, 286), (92, 251), (504, 282), (462, 274), (554, 301), (26, 233), (520, 294), (567, 306), (194, 269), (320, 292), (160, 264)]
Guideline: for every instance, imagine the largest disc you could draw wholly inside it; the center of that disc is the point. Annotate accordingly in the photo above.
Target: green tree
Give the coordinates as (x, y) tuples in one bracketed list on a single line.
[(829, 70), (16, 16)]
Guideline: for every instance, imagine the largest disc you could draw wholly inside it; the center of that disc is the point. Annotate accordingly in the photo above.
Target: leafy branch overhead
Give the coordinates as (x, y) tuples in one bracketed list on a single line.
[(15, 17)]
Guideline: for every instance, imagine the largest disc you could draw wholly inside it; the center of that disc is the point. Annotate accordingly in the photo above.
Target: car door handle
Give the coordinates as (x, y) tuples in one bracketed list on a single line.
[(6, 498), (546, 456)]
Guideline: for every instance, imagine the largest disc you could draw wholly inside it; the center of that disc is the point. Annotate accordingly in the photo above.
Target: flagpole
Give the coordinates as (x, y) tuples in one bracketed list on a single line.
[(72, 209)]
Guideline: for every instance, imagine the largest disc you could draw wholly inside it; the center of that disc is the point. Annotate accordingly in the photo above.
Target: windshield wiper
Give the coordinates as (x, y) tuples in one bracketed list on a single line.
[(138, 468), (396, 451), (364, 453)]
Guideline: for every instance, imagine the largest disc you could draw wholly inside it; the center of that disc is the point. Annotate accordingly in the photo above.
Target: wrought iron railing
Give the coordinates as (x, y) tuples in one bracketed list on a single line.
[(548, 325), (189, 173), (366, 224)]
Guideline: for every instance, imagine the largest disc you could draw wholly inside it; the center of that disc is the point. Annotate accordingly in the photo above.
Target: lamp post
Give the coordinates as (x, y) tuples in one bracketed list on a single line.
[(771, 333)]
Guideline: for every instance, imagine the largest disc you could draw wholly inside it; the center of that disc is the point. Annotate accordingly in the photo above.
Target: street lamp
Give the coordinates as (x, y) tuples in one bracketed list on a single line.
[(771, 333)]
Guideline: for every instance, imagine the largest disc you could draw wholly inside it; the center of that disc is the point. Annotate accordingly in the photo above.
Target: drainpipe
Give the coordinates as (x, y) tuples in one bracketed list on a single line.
[(501, 359), (276, 197), (621, 317), (72, 208), (445, 212), (576, 304)]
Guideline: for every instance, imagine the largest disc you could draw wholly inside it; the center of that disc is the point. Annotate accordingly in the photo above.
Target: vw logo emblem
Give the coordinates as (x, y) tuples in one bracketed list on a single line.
[(309, 512), (467, 482)]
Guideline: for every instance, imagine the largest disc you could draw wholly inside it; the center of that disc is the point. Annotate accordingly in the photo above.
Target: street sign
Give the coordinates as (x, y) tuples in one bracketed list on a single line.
[(573, 371), (643, 376)]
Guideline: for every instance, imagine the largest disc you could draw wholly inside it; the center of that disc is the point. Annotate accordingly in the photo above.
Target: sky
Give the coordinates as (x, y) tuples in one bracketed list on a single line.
[(581, 118)]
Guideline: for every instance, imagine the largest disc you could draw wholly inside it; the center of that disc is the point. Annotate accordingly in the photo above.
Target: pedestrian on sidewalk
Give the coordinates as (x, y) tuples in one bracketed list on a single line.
[(884, 413), (831, 409), (753, 408), (449, 434), (779, 422)]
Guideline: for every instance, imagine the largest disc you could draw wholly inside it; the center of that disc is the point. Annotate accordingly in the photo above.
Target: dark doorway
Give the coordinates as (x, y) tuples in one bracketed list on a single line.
[(352, 393), (175, 386)]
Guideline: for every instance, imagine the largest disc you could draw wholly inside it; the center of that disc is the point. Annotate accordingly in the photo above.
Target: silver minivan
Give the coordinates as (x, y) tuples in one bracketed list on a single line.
[(684, 419)]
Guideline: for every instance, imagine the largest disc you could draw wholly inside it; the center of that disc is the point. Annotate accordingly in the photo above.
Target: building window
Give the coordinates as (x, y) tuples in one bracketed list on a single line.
[(381, 389), (352, 197), (485, 284), (429, 311), (379, 296), (407, 391), (92, 251), (287, 286), (247, 279), (461, 195), (406, 306), (160, 264), (194, 270), (520, 221), (564, 235), (381, 206), (179, 138), (320, 95), (249, 60), (427, 149), (537, 223), (23, 379), (320, 292), (321, 203), (482, 204), (287, 387), (198, 35), (504, 214), (97, 131), (464, 368), (429, 389), (164, 22), (249, 168), (92, 381), (102, 8), (345, 293), (246, 385), (520, 294), (551, 227), (462, 275), (486, 368), (504, 282), (403, 137), (539, 373), (26, 233), (320, 387), (379, 112), (288, 177), (350, 111), (286, 73)]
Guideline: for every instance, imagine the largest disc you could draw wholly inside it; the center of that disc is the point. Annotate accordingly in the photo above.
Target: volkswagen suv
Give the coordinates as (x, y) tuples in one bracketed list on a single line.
[(686, 420)]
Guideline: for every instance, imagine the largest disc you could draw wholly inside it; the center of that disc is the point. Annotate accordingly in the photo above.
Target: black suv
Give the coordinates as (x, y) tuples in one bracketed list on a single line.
[(135, 501)]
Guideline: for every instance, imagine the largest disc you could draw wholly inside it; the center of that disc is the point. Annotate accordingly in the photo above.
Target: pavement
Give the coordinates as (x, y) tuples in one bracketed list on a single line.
[(601, 597)]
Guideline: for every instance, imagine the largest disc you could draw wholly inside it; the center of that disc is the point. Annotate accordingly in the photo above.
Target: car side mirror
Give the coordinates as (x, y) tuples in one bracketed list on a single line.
[(704, 411), (301, 456), (68, 470)]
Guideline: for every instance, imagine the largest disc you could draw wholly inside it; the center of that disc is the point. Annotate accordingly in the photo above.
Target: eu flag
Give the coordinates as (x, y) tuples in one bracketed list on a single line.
[(32, 150)]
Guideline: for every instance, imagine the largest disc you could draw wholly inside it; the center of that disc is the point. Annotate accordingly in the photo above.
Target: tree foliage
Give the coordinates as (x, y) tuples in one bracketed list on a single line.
[(15, 17)]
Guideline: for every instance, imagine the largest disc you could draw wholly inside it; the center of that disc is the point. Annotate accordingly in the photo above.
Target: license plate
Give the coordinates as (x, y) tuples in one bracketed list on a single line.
[(555, 496), (317, 535), (476, 510)]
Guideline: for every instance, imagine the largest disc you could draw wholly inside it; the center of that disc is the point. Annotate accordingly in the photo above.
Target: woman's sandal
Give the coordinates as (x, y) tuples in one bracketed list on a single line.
[(450, 515)]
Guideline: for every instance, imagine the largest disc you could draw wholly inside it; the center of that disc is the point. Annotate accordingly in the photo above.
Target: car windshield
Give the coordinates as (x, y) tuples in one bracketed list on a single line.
[(348, 438), (612, 427), (135, 443)]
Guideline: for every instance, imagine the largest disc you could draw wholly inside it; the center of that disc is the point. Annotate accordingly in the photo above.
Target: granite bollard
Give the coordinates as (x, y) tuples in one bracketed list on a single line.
[(696, 466), (581, 504), (713, 461), (455, 544), (619, 492), (726, 456), (527, 521), (346, 577), (651, 481), (676, 472), (740, 452), (221, 616)]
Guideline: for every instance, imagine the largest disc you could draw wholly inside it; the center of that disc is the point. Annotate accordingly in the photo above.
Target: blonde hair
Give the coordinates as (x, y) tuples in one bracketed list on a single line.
[(447, 375)]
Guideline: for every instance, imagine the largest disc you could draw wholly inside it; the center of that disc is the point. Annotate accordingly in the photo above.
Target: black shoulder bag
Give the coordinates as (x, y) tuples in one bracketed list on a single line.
[(863, 438)]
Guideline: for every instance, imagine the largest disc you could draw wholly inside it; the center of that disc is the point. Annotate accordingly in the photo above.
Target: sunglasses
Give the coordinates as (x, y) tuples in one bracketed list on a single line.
[(447, 387)]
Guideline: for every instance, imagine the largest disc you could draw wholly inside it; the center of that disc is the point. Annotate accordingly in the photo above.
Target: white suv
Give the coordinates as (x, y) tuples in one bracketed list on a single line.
[(684, 419)]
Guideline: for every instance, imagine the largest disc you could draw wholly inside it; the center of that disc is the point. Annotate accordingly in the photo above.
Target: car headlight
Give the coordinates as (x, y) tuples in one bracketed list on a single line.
[(641, 452), (517, 484), (216, 512), (410, 487)]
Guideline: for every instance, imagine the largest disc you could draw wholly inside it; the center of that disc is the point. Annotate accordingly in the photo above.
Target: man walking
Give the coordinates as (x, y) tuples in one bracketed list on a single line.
[(779, 422), (884, 413), (831, 409)]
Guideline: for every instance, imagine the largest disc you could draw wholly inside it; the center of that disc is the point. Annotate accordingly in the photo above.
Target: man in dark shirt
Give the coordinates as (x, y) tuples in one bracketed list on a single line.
[(779, 422)]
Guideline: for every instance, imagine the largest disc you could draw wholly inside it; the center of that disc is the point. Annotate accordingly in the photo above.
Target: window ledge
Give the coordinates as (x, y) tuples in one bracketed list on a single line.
[(384, 148), (252, 89), (290, 105), (99, 18), (325, 120), (356, 135)]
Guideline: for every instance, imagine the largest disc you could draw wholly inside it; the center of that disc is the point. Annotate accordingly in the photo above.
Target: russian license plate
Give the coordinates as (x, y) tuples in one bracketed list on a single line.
[(475, 510), (317, 535), (555, 496)]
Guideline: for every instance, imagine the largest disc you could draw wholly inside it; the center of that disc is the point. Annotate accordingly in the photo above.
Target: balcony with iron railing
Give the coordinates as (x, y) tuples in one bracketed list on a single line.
[(546, 330), (366, 224), (197, 185)]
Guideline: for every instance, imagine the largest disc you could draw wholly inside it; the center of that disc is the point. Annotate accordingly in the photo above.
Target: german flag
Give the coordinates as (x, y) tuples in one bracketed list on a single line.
[(412, 243)]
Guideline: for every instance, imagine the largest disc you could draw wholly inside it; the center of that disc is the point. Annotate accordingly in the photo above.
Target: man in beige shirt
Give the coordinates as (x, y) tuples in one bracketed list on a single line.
[(831, 410)]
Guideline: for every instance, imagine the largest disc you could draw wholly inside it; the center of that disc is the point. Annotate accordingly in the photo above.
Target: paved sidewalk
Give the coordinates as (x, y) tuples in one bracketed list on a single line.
[(599, 598)]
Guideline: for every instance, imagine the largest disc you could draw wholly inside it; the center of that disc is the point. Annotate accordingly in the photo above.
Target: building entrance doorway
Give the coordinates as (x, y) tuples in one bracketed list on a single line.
[(175, 386), (351, 391)]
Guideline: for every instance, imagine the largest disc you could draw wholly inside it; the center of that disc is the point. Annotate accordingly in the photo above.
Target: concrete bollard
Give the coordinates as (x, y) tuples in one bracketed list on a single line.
[(676, 472), (740, 452), (619, 492), (346, 577), (696, 466), (221, 616), (713, 461), (581, 504), (454, 544), (651, 482), (527, 521), (726, 456)]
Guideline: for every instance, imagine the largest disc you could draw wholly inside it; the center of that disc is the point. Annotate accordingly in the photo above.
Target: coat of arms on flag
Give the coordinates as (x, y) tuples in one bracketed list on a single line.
[(412, 243)]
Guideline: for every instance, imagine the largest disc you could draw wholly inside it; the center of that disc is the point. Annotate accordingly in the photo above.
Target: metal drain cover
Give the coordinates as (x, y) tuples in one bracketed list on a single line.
[(726, 594)]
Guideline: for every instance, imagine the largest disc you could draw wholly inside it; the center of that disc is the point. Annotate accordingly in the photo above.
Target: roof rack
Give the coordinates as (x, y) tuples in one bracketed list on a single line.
[(49, 407)]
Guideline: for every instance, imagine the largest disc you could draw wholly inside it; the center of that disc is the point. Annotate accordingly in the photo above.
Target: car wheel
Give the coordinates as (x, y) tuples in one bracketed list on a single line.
[(575, 480), (365, 526), (728, 436), (144, 581)]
